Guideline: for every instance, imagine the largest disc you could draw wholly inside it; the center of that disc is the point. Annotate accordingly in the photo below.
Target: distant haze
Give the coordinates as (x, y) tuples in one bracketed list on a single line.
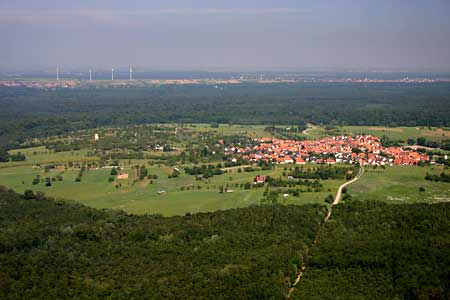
[(408, 35)]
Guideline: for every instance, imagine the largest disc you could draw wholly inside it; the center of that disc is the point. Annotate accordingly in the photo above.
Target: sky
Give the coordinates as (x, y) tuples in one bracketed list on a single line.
[(226, 35)]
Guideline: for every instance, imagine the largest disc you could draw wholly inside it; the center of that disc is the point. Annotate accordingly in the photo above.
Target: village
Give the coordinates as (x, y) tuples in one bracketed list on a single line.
[(361, 149)]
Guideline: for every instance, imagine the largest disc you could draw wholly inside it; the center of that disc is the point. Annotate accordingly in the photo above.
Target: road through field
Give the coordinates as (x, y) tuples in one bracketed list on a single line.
[(310, 126), (336, 202), (339, 192)]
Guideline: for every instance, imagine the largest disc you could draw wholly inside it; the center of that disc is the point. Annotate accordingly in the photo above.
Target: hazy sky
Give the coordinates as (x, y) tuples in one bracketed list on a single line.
[(231, 34)]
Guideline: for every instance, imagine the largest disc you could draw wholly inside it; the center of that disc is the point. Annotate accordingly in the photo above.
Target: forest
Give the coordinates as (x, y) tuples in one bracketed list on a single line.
[(62, 250), (375, 250), (51, 249), (31, 112)]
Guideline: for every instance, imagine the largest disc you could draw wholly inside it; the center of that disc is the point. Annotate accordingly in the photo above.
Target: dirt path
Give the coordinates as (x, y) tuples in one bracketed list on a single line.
[(337, 199), (310, 126)]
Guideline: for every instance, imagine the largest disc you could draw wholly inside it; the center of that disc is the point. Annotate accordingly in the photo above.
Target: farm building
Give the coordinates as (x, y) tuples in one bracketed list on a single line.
[(122, 176)]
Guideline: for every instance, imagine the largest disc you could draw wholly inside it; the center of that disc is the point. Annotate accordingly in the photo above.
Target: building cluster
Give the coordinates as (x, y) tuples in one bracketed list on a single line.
[(361, 149), (381, 80), (40, 84)]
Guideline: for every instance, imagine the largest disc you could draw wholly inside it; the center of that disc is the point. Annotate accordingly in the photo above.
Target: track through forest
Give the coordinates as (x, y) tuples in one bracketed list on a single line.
[(336, 202)]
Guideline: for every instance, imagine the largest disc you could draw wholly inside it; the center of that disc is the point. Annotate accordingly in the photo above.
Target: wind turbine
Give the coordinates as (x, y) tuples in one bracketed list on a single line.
[(57, 73), (112, 74), (131, 74), (90, 74)]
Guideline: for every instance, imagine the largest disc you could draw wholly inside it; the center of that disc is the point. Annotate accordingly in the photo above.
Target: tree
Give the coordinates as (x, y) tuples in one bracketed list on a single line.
[(113, 172), (18, 157), (28, 195), (411, 142), (329, 199), (421, 141), (4, 156), (143, 172), (273, 197), (174, 174)]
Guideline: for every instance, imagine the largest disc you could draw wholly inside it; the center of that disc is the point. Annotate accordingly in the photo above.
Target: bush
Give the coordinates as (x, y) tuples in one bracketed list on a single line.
[(28, 195), (329, 199)]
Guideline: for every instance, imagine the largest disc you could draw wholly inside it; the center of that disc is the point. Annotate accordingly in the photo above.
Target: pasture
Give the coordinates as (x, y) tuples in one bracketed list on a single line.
[(167, 196), (399, 133), (254, 131), (177, 196), (400, 184)]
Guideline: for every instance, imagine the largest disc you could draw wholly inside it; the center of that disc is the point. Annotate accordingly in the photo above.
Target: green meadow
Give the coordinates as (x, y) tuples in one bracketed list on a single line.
[(41, 155), (174, 196), (254, 131), (400, 184), (399, 133), (177, 196)]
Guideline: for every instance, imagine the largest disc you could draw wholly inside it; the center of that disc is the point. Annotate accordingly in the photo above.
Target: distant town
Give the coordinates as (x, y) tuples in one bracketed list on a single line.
[(49, 84), (361, 149)]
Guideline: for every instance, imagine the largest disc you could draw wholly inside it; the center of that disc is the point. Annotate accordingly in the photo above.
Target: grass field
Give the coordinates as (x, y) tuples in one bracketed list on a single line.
[(394, 133), (400, 184), (254, 131), (186, 194), (183, 194), (400, 133), (41, 155)]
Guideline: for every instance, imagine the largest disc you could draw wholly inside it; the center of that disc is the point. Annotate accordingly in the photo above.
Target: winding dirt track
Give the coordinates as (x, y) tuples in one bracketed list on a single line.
[(336, 202)]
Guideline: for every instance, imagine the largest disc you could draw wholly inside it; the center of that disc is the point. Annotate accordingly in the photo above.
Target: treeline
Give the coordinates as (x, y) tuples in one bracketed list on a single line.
[(5, 156), (421, 141), (443, 177), (30, 112), (206, 171), (325, 172), (375, 250), (62, 250)]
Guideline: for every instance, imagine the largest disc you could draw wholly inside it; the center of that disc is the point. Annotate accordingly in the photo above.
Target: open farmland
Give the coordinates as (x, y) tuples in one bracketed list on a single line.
[(185, 193), (401, 184), (180, 195), (400, 133)]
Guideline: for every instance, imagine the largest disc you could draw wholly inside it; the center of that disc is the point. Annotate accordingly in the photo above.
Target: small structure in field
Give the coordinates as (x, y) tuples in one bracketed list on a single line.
[(260, 179), (96, 137), (122, 176)]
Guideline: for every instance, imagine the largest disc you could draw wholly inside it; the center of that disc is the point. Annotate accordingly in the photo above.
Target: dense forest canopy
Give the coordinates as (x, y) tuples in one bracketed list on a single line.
[(375, 250), (57, 250), (32, 112), (367, 250)]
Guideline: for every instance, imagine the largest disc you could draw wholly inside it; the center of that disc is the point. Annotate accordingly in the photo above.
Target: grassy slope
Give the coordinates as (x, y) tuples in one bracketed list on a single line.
[(397, 183), (400, 184), (400, 133), (142, 197)]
